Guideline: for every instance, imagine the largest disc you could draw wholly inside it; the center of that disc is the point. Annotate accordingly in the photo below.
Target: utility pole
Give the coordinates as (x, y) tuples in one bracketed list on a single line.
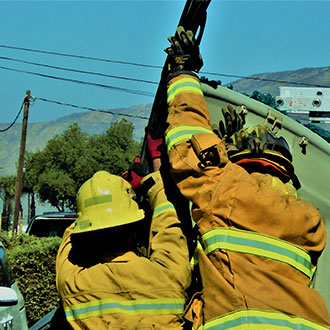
[(19, 177)]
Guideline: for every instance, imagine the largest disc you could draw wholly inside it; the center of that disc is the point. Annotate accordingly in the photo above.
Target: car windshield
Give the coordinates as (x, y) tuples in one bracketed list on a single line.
[(50, 227)]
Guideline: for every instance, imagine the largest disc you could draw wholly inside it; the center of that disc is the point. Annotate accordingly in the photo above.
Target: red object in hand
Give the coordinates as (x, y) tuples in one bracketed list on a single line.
[(135, 173), (137, 159), (154, 146)]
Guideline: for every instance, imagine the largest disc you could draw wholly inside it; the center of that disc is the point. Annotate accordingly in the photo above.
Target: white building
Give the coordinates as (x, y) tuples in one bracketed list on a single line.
[(311, 101)]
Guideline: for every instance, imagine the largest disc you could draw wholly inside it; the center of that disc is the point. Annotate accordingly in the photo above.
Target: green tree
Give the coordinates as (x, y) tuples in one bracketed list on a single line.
[(52, 172), (114, 150), (68, 160), (7, 194)]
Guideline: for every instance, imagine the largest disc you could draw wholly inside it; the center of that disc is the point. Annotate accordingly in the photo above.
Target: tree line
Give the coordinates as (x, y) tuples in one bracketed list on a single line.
[(55, 173)]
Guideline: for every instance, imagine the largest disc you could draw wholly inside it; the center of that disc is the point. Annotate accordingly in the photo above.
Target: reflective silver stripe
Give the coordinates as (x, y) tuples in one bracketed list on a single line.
[(255, 319), (182, 133), (163, 208), (183, 85), (258, 244), (132, 307)]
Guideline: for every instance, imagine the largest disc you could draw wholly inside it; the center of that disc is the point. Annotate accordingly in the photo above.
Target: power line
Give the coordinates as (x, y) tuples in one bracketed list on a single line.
[(265, 79), (150, 66), (89, 109), (120, 89), (82, 57), (12, 124), (78, 71)]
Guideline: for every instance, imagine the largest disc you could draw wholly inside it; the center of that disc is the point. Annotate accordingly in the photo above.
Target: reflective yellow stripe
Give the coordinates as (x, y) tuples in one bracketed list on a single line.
[(258, 244), (182, 80), (182, 133), (163, 208), (132, 307), (255, 319), (98, 200), (183, 85)]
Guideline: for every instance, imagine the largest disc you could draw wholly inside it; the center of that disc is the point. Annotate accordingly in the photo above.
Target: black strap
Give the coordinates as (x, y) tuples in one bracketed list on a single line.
[(146, 185)]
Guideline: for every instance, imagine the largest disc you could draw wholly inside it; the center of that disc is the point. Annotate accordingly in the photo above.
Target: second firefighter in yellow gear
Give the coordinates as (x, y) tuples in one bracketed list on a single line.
[(102, 282)]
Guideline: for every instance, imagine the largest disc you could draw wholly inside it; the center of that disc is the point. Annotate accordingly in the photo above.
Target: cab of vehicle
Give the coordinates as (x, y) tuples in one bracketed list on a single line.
[(50, 224), (12, 309)]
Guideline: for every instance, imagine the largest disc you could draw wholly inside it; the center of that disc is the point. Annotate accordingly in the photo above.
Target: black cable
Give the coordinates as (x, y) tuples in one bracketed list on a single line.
[(160, 67), (12, 124), (120, 89), (82, 57), (78, 71), (90, 109), (266, 79)]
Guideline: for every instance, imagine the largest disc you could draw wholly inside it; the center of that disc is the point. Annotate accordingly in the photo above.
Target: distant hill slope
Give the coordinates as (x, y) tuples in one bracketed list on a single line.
[(317, 76), (39, 133), (97, 122)]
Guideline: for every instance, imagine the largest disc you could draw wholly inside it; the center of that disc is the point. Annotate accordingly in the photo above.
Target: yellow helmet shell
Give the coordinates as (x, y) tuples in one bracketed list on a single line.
[(105, 201)]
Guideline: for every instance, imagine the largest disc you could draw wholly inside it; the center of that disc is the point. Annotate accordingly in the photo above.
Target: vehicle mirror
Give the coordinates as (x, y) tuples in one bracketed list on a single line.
[(8, 296)]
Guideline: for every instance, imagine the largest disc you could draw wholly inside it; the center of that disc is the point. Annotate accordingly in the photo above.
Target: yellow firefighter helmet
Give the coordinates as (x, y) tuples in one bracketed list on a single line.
[(105, 201)]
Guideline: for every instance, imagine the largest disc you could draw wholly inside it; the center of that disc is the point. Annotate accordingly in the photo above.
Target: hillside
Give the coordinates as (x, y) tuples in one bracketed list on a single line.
[(97, 122), (317, 76), (39, 133)]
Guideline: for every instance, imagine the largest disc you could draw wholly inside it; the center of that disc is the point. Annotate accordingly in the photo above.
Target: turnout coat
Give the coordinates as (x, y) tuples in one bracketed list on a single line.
[(128, 291), (259, 243)]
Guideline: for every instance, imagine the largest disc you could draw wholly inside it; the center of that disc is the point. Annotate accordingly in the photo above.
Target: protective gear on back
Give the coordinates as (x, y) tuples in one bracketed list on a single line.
[(183, 53), (261, 151), (105, 201)]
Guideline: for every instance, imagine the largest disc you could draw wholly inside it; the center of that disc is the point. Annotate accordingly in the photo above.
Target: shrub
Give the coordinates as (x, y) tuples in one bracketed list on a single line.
[(33, 262)]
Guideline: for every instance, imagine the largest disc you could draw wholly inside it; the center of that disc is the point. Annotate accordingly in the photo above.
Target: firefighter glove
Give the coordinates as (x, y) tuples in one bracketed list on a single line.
[(135, 173), (233, 121), (154, 145), (183, 54), (258, 138)]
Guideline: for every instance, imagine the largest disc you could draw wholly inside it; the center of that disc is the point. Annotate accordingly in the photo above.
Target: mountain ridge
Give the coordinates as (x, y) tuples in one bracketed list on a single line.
[(91, 122), (94, 122), (270, 82)]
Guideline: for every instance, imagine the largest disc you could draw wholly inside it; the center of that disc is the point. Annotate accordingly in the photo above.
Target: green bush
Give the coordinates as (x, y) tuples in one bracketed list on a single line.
[(33, 262)]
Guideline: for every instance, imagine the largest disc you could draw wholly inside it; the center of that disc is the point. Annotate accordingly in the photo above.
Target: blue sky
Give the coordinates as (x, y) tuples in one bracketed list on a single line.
[(241, 38)]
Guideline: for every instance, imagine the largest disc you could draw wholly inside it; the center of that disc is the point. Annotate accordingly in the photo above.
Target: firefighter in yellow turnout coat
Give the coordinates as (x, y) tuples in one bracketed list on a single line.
[(110, 286), (259, 243)]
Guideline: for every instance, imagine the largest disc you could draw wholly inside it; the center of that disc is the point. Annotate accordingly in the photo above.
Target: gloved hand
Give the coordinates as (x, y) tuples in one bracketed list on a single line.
[(135, 173), (254, 140), (183, 53), (258, 139), (154, 145), (233, 122)]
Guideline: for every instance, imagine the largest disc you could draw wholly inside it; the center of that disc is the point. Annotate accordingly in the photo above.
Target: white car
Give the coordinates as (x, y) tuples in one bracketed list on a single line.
[(12, 310)]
